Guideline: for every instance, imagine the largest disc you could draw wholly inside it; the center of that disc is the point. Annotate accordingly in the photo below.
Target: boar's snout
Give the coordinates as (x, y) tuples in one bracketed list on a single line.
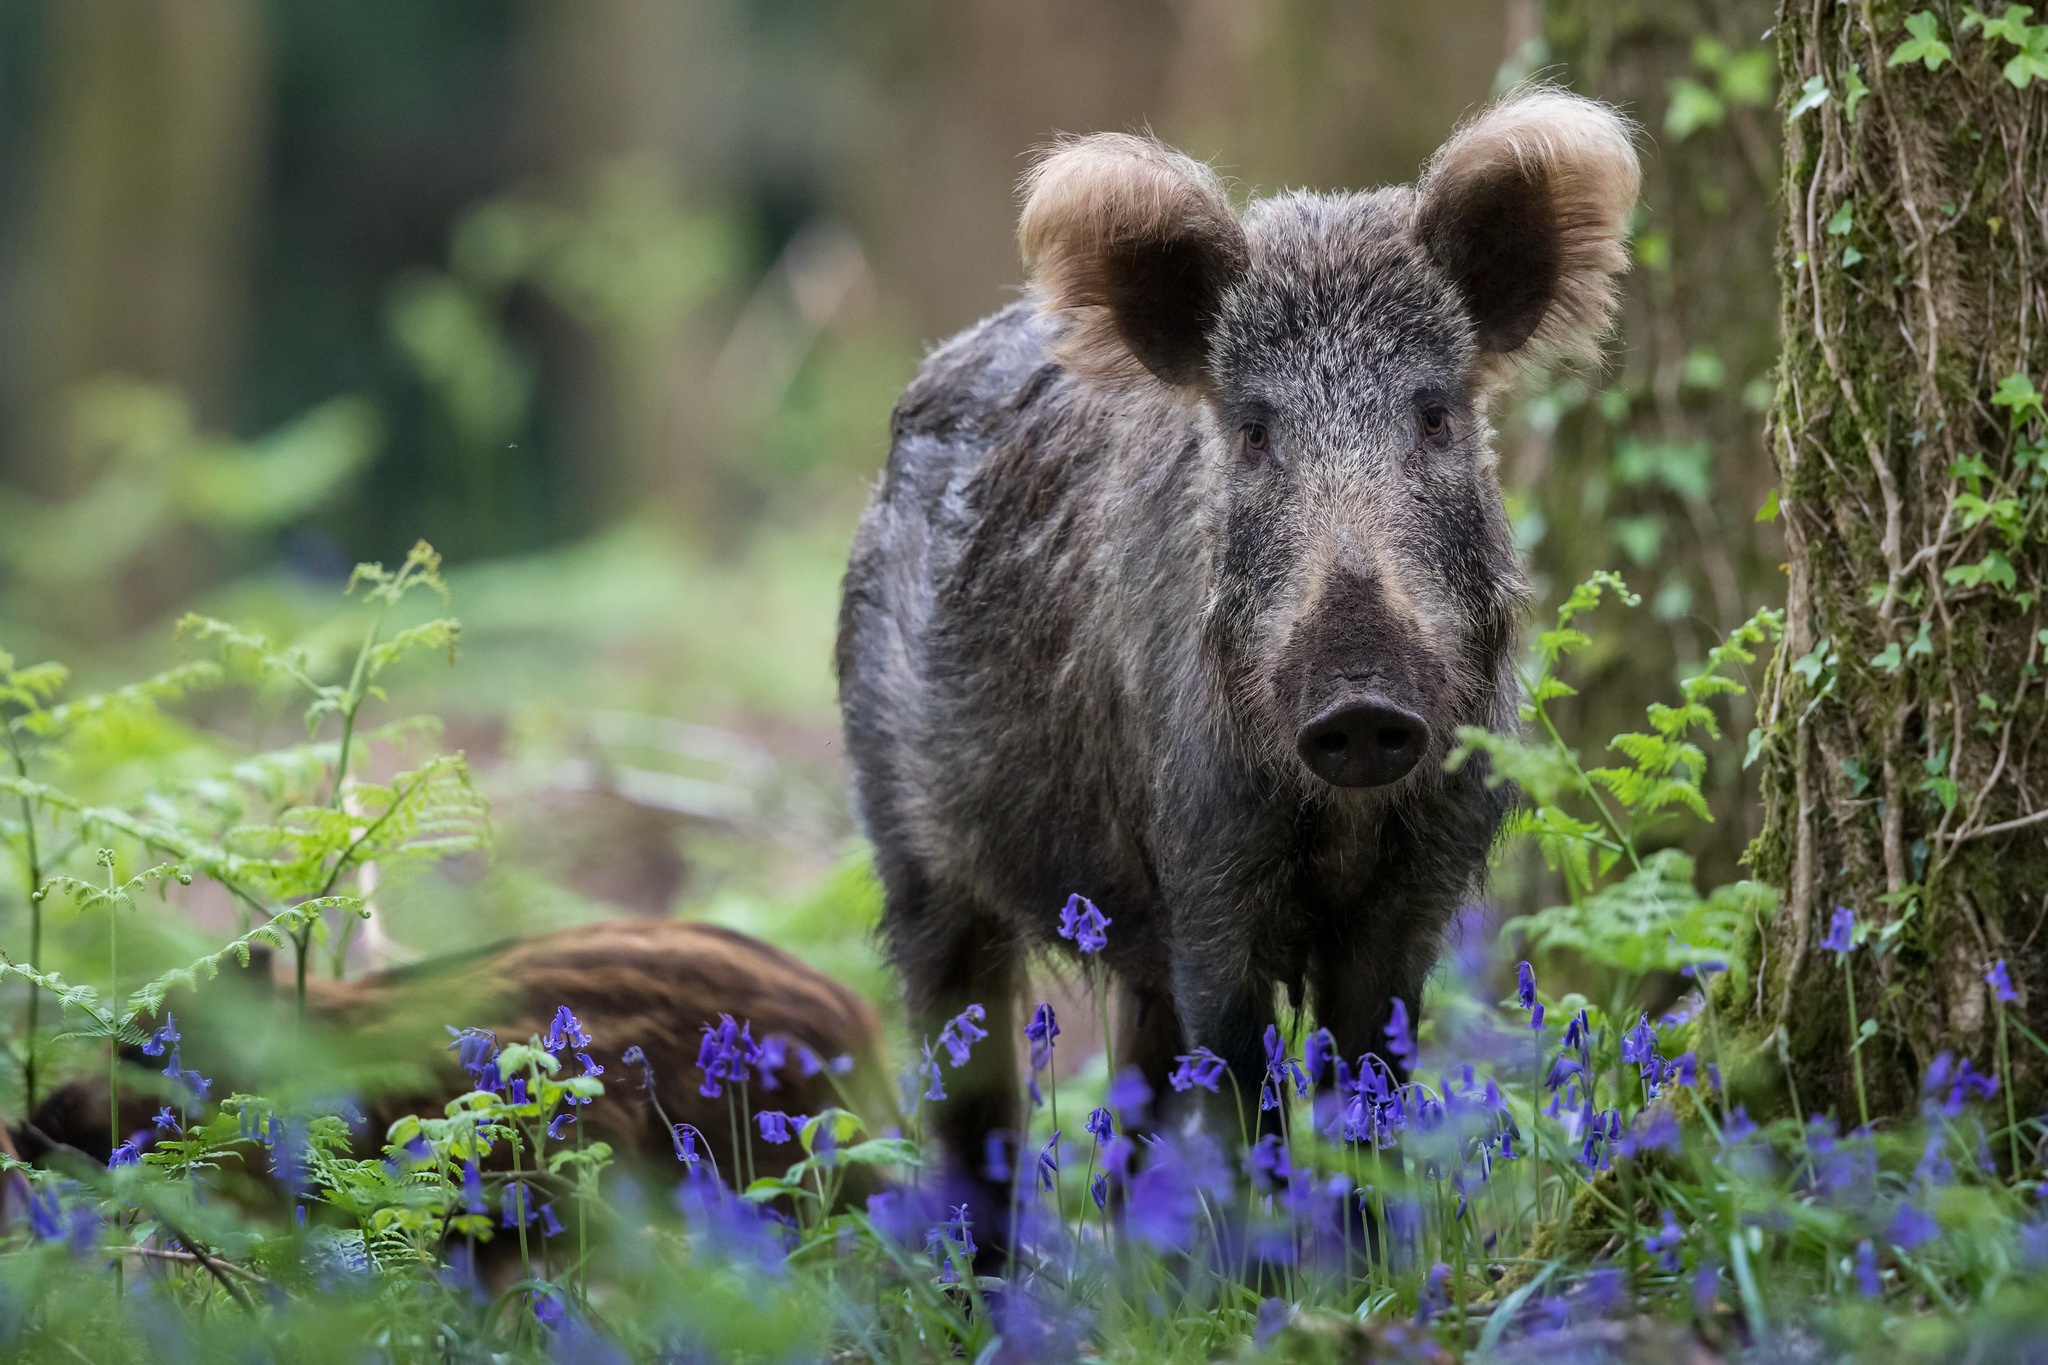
[(1363, 743)]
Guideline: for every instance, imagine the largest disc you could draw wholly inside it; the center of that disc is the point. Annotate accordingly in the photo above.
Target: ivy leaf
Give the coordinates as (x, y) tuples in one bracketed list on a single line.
[(1923, 47), (2017, 392), (1889, 658), (1843, 222), (1854, 91), (1769, 511), (1812, 95), (2013, 27)]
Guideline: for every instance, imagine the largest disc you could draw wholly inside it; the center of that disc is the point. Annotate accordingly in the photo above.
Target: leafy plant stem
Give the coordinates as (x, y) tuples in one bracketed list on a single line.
[(33, 868)]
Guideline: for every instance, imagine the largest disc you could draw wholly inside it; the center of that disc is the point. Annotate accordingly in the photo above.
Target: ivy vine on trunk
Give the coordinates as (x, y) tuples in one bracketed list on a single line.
[(1904, 743)]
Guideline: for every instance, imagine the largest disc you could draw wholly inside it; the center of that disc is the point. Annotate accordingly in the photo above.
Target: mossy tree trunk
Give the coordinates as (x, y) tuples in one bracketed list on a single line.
[(1905, 754)]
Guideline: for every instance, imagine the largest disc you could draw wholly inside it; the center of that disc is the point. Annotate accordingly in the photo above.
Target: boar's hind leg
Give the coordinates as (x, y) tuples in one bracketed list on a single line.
[(1149, 1037), (959, 960), (1354, 989)]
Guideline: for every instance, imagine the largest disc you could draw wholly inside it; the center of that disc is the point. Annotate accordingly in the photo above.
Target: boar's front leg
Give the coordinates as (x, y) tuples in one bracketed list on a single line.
[(1226, 1008), (955, 958)]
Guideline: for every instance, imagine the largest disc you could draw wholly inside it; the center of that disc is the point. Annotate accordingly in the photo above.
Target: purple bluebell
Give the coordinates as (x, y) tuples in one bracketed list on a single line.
[(166, 1036), (1525, 993), (1706, 1290), (549, 1307), (129, 1153), (1911, 1227), (2000, 982), (1129, 1097), (1083, 924), (1049, 1161), (995, 1158), (775, 1126), (1950, 1084), (961, 1033), (1400, 1035), (1273, 1316), (45, 1215), (771, 1059), (473, 1189), (1867, 1282), (515, 1093), (1100, 1125), (565, 1033), (1198, 1068), (1043, 1028), (1655, 1131), (928, 1069), (637, 1059), (477, 1053), (166, 1121), (1664, 1244), (1265, 1161), (1578, 1033), (1280, 1070), (550, 1226), (516, 1202), (687, 1142), (1841, 936), (1098, 1190), (725, 1055), (1435, 1296)]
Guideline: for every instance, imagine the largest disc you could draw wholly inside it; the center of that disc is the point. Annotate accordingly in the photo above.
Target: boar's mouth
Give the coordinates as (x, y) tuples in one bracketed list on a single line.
[(1363, 742)]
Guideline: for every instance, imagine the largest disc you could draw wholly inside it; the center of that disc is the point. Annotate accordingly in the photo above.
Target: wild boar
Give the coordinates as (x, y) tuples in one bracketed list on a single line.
[(646, 983), (1185, 571)]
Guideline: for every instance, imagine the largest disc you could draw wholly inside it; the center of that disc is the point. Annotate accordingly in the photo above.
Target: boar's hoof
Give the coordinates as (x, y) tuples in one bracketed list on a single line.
[(1362, 744)]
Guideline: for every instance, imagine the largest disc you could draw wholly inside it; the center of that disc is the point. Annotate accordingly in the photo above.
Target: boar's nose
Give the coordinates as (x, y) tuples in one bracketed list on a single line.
[(1362, 744)]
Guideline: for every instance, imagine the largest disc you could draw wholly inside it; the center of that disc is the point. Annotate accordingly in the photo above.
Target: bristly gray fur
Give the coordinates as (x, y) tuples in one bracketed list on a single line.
[(1220, 473)]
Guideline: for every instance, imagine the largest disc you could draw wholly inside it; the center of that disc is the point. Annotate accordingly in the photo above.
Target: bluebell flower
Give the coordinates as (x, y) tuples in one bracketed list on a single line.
[(166, 1036), (1198, 1068), (1578, 1033), (1280, 1070), (45, 1215), (687, 1141), (1435, 1297), (1525, 985), (516, 1203), (2033, 1244), (1706, 1283), (129, 1153), (1950, 1084), (565, 1033), (726, 1055), (549, 1307), (1163, 1204), (1098, 1190), (1739, 1127), (962, 1032), (770, 1059), (1100, 1125), (1841, 935), (1319, 1053), (928, 1068), (1685, 1070), (2001, 984), (1265, 1161), (1700, 971), (549, 1224), (776, 1126), (166, 1121), (473, 1189), (1043, 1028), (1049, 1161), (1639, 1044), (516, 1093), (1129, 1097), (1867, 1282), (1603, 1291), (1656, 1131), (1664, 1244), (1400, 1036), (1273, 1316), (1911, 1227), (995, 1158), (477, 1053), (1933, 1169), (558, 1126), (1084, 925), (637, 1059)]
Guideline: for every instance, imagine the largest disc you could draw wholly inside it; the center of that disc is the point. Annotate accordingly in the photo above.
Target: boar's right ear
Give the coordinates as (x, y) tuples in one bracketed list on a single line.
[(1134, 244), (1526, 209)]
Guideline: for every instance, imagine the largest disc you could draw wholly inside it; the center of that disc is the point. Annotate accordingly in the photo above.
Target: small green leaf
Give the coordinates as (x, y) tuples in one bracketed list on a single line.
[(1692, 108), (1812, 95), (1854, 91), (1843, 222), (1923, 47), (1889, 658), (1850, 256), (1769, 511)]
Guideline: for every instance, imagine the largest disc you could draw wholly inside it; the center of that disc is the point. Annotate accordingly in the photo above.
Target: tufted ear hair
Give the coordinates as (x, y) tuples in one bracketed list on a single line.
[(1134, 244), (1526, 209)]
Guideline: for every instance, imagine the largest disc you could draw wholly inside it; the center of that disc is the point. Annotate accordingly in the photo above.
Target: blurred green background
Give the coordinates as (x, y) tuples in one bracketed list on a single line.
[(610, 299)]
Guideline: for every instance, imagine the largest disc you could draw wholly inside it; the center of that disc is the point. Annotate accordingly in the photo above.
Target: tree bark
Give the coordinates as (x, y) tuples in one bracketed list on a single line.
[(1914, 227)]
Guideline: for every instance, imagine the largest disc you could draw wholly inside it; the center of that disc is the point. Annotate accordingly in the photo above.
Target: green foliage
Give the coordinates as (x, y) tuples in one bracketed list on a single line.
[(1629, 910), (1922, 45)]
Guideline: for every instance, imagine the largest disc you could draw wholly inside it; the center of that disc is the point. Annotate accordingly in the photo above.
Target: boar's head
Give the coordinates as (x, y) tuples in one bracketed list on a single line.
[(1341, 349)]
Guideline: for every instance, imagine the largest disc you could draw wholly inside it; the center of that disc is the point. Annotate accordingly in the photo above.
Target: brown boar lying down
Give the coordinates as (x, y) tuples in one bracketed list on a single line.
[(653, 984)]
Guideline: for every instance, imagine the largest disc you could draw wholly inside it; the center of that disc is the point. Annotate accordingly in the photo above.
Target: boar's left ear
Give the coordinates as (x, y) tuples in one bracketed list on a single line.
[(1526, 209), (1135, 244)]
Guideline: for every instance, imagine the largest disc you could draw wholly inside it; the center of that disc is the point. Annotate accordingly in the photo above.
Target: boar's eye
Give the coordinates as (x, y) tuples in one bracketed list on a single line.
[(1433, 422), (1257, 441)]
